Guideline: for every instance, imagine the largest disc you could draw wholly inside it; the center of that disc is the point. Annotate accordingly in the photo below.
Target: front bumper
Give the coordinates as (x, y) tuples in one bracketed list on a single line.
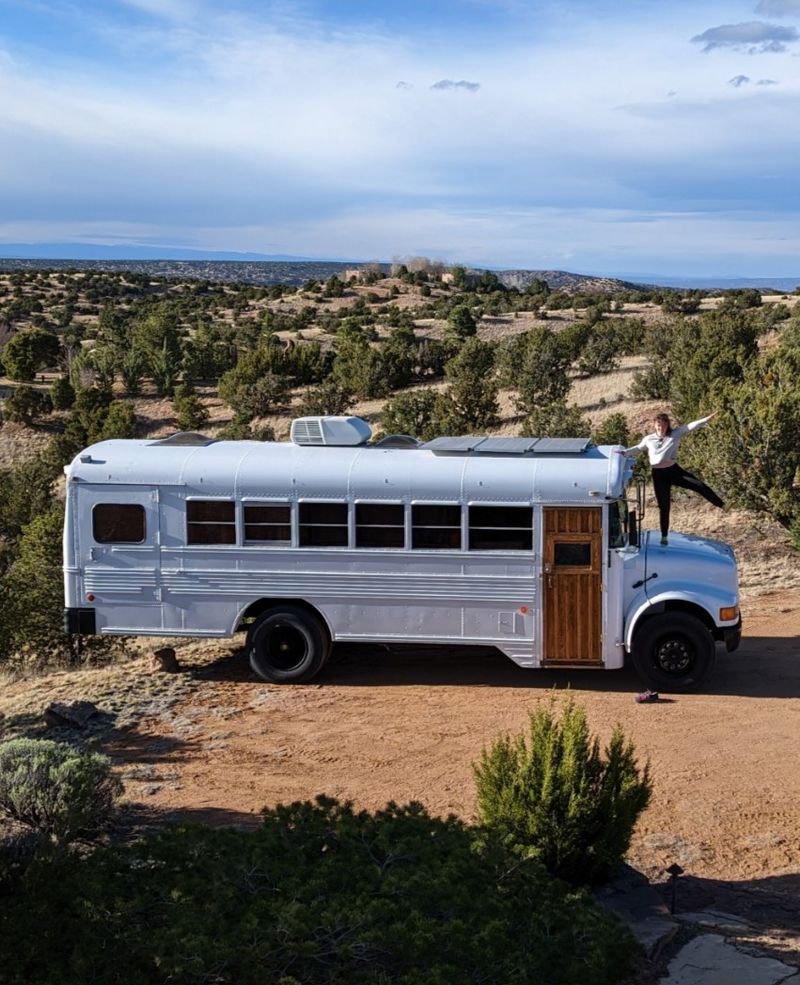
[(731, 636)]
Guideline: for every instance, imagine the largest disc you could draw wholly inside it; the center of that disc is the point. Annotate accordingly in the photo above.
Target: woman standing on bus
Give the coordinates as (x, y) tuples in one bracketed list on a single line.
[(662, 449)]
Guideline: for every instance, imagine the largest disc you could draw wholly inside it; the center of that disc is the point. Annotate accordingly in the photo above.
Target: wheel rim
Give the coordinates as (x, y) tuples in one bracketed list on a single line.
[(286, 647), (675, 656)]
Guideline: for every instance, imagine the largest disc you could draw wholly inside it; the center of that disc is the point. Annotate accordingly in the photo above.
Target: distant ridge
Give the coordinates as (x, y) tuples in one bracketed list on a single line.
[(263, 269), (99, 252), (260, 272), (564, 280)]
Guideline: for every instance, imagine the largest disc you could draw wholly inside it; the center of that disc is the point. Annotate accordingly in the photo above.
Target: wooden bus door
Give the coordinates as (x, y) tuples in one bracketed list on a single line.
[(572, 590)]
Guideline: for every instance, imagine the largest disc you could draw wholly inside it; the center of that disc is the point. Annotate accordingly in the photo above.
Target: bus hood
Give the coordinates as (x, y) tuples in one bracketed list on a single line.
[(691, 566)]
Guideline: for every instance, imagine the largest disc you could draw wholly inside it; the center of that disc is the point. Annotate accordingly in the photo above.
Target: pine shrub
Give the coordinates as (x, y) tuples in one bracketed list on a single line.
[(321, 895), (57, 790), (552, 796)]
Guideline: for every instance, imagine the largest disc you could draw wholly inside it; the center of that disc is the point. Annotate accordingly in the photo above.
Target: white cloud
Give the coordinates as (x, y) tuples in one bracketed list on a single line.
[(778, 8), (752, 37), (446, 84)]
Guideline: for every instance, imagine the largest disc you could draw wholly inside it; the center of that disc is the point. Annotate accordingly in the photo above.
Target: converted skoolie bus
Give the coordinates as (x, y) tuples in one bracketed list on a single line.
[(523, 544)]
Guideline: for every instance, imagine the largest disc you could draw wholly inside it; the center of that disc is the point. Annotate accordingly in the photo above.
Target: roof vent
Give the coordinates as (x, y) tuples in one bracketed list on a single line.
[(181, 438), (331, 431)]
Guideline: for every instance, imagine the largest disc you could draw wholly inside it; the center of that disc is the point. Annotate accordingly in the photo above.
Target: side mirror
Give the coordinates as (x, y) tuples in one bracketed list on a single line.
[(633, 529)]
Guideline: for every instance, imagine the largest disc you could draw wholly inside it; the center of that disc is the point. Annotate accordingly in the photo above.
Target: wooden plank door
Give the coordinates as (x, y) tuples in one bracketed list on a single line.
[(572, 590)]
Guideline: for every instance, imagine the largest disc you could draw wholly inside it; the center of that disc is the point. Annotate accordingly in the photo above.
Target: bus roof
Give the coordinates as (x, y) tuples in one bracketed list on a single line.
[(284, 470)]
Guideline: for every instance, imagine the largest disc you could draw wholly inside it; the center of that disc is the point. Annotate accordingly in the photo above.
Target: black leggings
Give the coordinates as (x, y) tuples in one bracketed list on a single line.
[(665, 479)]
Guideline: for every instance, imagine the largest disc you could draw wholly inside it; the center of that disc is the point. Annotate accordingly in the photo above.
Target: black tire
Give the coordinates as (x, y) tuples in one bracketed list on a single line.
[(673, 651), (287, 645)]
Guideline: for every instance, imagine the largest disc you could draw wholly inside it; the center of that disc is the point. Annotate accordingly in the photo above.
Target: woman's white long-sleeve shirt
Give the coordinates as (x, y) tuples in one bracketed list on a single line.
[(664, 451)]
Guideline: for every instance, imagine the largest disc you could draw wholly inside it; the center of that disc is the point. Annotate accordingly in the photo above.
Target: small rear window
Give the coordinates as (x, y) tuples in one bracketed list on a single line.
[(118, 523)]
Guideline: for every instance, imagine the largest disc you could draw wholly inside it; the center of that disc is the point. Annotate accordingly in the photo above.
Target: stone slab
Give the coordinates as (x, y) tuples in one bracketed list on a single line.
[(710, 960)]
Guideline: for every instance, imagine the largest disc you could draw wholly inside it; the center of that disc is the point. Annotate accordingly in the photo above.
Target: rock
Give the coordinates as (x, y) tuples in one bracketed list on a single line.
[(164, 660), (631, 898), (59, 714)]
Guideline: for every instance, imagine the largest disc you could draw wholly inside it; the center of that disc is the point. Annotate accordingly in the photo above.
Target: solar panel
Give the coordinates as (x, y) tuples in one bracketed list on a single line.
[(476, 445), (463, 444), (562, 446), (506, 446)]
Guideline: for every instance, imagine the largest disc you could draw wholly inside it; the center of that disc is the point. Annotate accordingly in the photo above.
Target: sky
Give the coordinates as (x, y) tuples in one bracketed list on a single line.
[(637, 136)]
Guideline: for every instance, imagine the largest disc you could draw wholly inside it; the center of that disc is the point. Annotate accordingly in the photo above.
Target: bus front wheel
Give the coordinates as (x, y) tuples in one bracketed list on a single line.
[(673, 651), (287, 645)]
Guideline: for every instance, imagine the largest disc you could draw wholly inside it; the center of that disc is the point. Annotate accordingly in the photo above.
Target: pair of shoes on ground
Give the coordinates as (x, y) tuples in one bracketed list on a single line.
[(646, 697)]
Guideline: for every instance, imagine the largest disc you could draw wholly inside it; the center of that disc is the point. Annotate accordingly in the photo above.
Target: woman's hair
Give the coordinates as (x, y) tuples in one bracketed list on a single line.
[(665, 419)]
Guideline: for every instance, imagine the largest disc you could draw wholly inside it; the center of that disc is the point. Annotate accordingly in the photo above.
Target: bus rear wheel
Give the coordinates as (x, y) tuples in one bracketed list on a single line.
[(287, 645), (673, 651)]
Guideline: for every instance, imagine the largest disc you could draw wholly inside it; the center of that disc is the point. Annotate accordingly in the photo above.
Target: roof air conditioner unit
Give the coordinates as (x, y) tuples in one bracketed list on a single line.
[(331, 431)]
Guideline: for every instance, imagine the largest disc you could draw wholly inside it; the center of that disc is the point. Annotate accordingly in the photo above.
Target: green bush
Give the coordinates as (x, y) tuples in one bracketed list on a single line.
[(553, 797), (319, 895), (62, 394), (556, 420), (26, 405), (55, 789)]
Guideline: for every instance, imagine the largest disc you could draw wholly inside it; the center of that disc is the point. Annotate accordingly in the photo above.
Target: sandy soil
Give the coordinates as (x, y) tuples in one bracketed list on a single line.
[(384, 725)]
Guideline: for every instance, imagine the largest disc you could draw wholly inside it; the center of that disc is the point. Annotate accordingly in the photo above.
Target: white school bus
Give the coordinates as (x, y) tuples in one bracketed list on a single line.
[(522, 544)]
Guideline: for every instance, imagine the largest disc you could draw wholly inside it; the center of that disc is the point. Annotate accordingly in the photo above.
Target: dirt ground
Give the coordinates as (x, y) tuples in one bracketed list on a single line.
[(214, 744), (406, 725)]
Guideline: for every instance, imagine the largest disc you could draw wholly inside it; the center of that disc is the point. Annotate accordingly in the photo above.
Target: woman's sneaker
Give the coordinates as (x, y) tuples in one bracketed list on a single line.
[(664, 541)]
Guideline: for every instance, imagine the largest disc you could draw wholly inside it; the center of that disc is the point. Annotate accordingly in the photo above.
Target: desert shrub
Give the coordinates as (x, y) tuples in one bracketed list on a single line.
[(651, 383), (32, 589), (29, 351), (120, 422), (190, 412), (319, 895), (25, 492), (461, 323), (536, 364), (751, 453), (552, 796), (413, 412), (469, 404), (18, 848), (62, 394), (358, 367), (556, 420), (26, 405), (329, 397), (57, 790), (613, 431)]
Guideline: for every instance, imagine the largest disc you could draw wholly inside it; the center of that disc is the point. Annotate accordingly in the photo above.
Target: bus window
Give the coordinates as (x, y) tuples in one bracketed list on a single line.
[(323, 524), (269, 523), (436, 527), (500, 528), (210, 521), (380, 525), (118, 523)]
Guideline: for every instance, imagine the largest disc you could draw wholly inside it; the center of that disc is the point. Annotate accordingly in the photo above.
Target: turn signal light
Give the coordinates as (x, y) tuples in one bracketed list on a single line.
[(729, 612)]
